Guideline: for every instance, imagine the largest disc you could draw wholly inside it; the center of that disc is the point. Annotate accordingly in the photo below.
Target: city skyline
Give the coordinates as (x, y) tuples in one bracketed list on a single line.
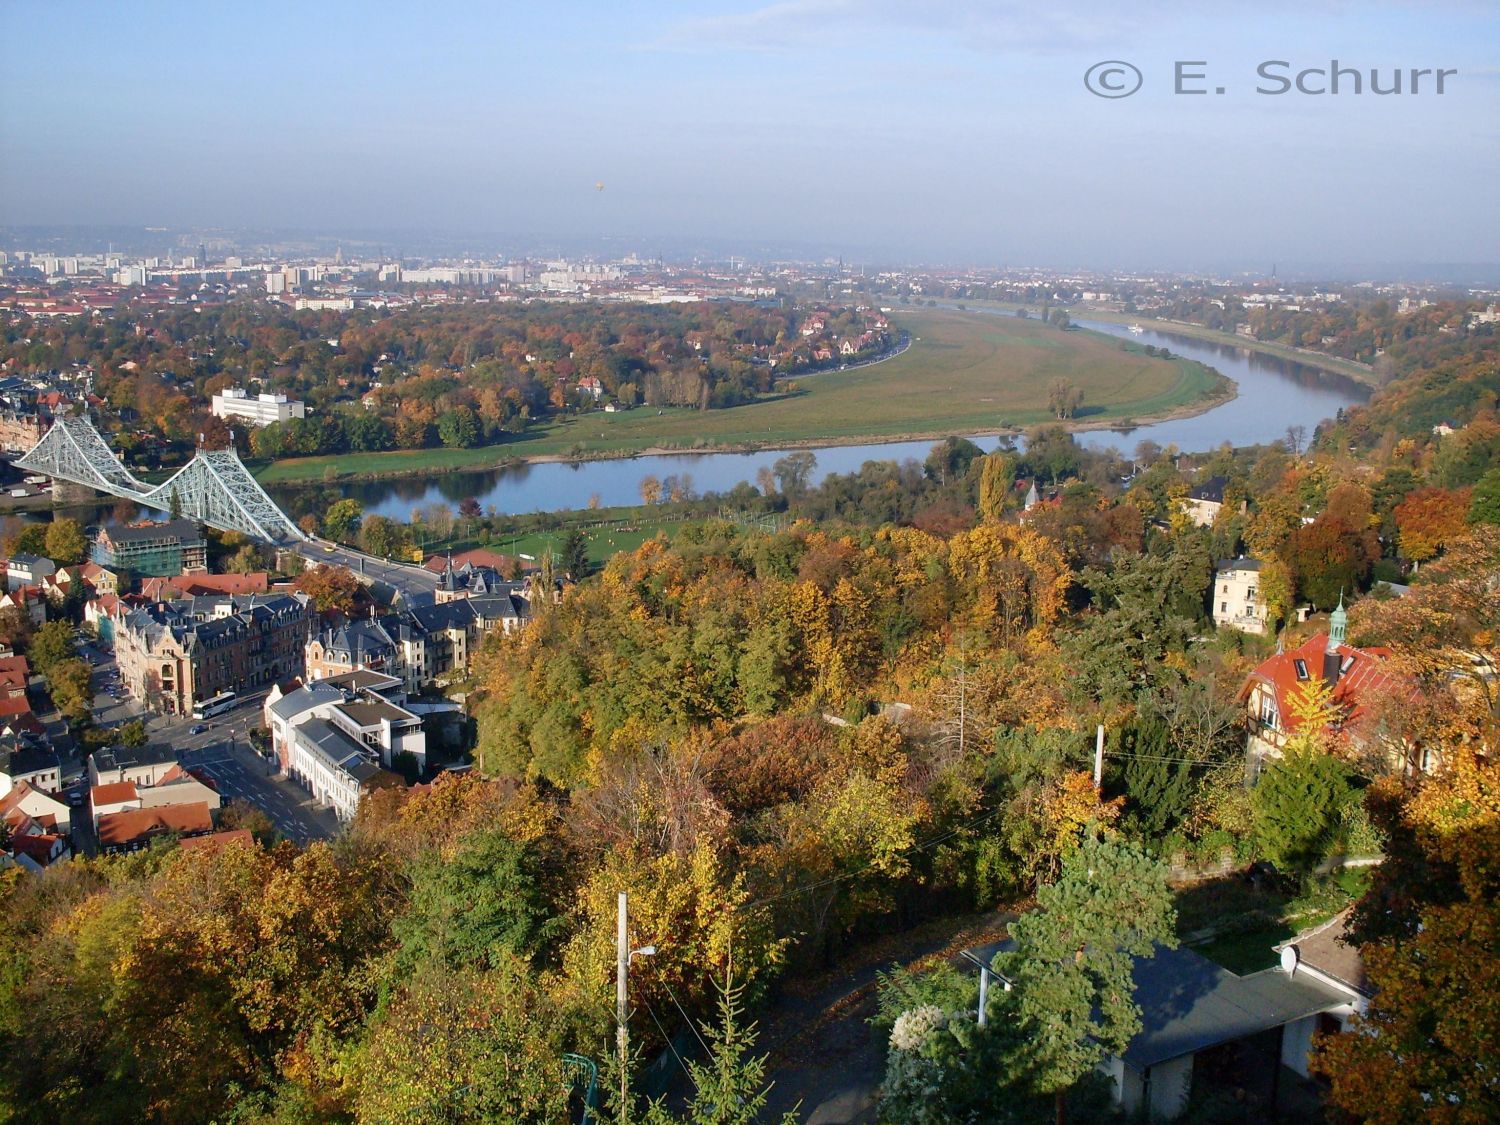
[(960, 135)]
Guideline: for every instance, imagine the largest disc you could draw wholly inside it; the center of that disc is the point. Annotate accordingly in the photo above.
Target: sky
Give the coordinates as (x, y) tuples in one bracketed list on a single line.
[(954, 133)]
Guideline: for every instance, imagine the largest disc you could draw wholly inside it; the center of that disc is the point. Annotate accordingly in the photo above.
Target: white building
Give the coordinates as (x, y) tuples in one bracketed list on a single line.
[(1238, 602), (338, 737), (259, 410)]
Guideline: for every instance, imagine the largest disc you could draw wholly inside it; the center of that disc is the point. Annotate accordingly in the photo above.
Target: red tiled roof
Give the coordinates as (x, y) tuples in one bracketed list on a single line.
[(19, 792), (478, 557), (130, 826), (1362, 673), (113, 792), (192, 585)]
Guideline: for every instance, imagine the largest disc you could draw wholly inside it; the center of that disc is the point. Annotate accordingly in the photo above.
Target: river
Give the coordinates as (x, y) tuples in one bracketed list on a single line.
[(1274, 393)]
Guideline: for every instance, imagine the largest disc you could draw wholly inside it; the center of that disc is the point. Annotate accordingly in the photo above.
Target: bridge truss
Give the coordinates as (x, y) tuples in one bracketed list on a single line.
[(214, 487)]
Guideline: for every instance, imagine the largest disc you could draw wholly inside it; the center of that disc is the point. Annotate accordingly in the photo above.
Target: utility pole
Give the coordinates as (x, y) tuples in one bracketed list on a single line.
[(1099, 758), (622, 1035)]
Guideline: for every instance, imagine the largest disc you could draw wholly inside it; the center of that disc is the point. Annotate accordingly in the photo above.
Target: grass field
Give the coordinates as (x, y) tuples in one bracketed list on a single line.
[(616, 531), (964, 373)]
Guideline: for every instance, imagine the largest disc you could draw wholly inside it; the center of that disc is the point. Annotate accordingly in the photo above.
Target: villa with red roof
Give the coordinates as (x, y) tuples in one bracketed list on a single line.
[(1358, 677)]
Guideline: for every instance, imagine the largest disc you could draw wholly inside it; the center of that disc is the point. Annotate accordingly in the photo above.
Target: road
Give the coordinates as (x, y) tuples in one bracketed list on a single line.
[(417, 584), (222, 751)]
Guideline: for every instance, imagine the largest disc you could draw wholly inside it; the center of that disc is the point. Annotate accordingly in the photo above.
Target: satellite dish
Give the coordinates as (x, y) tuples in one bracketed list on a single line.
[(1289, 959)]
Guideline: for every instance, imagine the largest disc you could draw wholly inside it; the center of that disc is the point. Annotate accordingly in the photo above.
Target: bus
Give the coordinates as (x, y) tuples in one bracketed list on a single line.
[(215, 706)]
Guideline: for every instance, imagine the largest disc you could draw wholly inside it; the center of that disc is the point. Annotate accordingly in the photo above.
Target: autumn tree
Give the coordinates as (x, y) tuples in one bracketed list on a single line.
[(1330, 557), (50, 646), (66, 544), (997, 479), (333, 589), (468, 1045), (1429, 518), (1428, 1045), (342, 519)]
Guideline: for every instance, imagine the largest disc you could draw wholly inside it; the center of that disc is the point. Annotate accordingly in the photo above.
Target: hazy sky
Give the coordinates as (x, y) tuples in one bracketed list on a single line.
[(959, 132)]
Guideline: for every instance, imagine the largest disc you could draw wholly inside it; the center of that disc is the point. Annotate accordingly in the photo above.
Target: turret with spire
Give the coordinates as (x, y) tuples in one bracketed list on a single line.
[(1338, 629)]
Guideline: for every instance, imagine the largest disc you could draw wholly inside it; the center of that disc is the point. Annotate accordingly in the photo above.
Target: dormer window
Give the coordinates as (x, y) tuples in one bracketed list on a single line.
[(1301, 666)]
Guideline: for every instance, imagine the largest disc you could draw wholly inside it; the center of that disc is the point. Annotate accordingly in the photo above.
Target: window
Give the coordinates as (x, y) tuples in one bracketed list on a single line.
[(1223, 607), (1250, 594), (1301, 666), (1346, 664)]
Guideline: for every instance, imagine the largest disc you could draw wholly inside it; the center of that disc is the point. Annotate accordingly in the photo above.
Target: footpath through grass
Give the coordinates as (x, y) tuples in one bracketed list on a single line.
[(964, 373)]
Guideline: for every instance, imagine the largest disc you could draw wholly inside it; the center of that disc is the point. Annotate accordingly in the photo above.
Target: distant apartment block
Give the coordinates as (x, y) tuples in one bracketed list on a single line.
[(160, 550), (258, 410)]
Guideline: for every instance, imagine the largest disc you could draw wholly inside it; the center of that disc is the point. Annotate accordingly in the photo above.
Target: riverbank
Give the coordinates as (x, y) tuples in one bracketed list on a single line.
[(963, 375), (1337, 365)]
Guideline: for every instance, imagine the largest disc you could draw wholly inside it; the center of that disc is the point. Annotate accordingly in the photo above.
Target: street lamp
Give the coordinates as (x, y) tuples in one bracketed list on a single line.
[(623, 956)]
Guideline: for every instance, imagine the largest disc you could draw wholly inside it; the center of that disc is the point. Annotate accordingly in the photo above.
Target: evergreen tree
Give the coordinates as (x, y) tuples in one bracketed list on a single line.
[(730, 1088), (1071, 968)]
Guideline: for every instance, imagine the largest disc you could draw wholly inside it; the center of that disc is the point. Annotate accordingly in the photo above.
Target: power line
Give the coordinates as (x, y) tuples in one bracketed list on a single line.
[(673, 997), (668, 1039)]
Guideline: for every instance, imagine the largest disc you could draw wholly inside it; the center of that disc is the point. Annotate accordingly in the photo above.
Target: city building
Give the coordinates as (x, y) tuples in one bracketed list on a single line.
[(470, 579), (31, 761), (362, 643), (174, 787), (27, 570), (50, 812), (341, 737), (140, 765), (1237, 599), (132, 829), (174, 655), (258, 410), (422, 644), (152, 549)]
